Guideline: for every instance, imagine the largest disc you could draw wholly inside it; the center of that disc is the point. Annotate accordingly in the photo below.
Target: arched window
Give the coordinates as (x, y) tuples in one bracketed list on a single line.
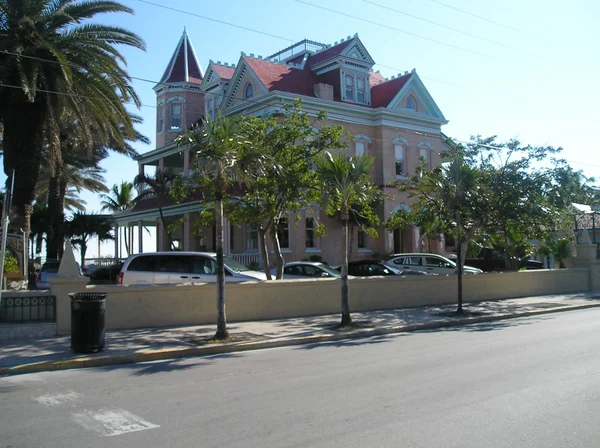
[(175, 116), (400, 147), (161, 118), (411, 103), (360, 144), (249, 92)]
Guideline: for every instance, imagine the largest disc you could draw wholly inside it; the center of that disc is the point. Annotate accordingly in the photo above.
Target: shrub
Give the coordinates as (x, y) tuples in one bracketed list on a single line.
[(11, 264)]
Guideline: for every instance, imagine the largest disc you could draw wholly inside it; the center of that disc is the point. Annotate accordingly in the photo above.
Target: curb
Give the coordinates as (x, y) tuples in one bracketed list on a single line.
[(174, 353)]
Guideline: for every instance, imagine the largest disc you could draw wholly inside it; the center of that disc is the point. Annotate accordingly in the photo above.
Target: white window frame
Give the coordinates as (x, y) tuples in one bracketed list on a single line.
[(171, 115), (425, 150), (285, 229), (415, 104), (355, 78), (251, 235), (313, 229), (364, 141)]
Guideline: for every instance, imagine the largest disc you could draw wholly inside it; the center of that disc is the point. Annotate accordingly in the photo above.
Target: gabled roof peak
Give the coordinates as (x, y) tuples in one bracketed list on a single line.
[(184, 65)]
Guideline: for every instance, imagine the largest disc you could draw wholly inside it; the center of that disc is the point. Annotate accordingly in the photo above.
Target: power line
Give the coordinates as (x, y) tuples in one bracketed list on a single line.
[(512, 28), (381, 25), (398, 70), (222, 22), (466, 33), (247, 100)]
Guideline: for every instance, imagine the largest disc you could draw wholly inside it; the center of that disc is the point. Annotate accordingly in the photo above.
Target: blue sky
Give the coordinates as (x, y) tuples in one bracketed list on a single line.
[(528, 71)]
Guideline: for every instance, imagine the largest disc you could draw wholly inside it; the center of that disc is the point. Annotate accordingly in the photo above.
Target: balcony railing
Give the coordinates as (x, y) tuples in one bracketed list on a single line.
[(246, 259)]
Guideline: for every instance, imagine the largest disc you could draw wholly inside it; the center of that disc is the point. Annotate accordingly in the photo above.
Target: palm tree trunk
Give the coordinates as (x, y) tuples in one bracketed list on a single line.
[(262, 242), (346, 319), (126, 240), (54, 214), (60, 224), (277, 252), (83, 250), (22, 141), (222, 332)]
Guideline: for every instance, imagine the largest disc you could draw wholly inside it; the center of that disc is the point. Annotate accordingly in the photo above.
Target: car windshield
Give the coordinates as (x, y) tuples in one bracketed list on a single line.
[(329, 270), (234, 265)]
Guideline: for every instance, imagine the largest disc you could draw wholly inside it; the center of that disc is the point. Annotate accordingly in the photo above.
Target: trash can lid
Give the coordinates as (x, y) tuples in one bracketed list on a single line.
[(87, 296)]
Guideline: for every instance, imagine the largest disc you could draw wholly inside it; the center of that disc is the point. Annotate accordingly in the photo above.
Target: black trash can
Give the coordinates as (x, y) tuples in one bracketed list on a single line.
[(87, 321)]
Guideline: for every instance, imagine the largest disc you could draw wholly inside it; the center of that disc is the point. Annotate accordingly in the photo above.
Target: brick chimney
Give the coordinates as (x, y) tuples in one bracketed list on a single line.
[(324, 91)]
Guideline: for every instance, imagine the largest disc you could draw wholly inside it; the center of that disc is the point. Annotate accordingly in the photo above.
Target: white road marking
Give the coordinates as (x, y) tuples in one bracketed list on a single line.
[(50, 400), (112, 422)]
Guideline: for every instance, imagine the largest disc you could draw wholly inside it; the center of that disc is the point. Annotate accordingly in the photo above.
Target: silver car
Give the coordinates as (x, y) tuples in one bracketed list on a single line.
[(431, 263), (182, 267)]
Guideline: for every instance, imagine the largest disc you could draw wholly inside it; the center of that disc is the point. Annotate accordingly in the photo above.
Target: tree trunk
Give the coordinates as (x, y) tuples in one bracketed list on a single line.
[(222, 332), (125, 236), (83, 250), (60, 224), (350, 239), (262, 242), (460, 259), (22, 142), (346, 319), (54, 214), (280, 262)]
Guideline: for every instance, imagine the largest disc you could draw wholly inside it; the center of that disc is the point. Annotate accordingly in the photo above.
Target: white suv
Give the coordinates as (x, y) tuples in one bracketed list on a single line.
[(434, 263), (182, 267)]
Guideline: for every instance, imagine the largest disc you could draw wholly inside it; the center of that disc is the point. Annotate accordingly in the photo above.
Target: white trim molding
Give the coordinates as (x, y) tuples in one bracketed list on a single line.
[(400, 140), (362, 136), (426, 144)]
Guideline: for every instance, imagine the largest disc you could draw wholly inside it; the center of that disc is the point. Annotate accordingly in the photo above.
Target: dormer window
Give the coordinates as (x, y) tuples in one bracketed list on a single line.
[(249, 92), (175, 116), (349, 83), (411, 103), (354, 88)]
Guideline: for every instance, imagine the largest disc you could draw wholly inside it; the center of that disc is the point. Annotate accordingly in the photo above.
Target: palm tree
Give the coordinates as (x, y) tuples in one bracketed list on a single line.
[(82, 227), (217, 144), (85, 68), (158, 186), (121, 198), (347, 188)]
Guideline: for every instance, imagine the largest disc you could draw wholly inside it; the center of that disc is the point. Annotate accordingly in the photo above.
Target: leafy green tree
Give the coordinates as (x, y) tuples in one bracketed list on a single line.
[(346, 186), (85, 69), (279, 176), (82, 227), (120, 198), (217, 145)]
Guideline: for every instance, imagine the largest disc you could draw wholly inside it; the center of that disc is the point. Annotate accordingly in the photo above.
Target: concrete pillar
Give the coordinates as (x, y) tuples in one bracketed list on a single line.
[(187, 232), (594, 276), (68, 280), (117, 245), (140, 236)]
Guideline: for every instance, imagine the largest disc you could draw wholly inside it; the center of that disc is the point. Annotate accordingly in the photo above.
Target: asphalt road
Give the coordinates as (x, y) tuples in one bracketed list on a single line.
[(531, 382)]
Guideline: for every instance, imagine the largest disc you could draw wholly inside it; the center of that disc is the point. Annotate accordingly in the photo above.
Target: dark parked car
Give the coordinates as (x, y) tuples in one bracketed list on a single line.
[(49, 270), (370, 268)]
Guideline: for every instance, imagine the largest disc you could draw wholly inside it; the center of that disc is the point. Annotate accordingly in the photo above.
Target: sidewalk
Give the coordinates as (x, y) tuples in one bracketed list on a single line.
[(149, 344)]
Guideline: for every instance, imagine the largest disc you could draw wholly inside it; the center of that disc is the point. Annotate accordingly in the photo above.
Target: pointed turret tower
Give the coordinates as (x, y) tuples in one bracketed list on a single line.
[(179, 99)]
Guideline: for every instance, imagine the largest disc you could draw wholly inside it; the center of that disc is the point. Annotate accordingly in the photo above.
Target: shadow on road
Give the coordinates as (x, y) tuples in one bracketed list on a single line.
[(351, 342), (490, 326), (169, 365)]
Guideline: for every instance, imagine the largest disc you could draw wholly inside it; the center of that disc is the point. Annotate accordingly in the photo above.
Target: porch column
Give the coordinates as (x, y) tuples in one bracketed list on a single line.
[(186, 162), (187, 231), (117, 241), (161, 164), (160, 233), (226, 236), (416, 239), (141, 172), (140, 236)]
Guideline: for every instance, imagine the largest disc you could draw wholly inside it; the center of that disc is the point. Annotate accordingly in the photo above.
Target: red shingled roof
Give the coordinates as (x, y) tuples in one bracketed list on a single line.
[(328, 53), (280, 77), (223, 71), (382, 94)]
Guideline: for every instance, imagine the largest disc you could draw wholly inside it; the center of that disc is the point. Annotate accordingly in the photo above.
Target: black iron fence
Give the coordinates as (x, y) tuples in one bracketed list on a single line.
[(28, 309)]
